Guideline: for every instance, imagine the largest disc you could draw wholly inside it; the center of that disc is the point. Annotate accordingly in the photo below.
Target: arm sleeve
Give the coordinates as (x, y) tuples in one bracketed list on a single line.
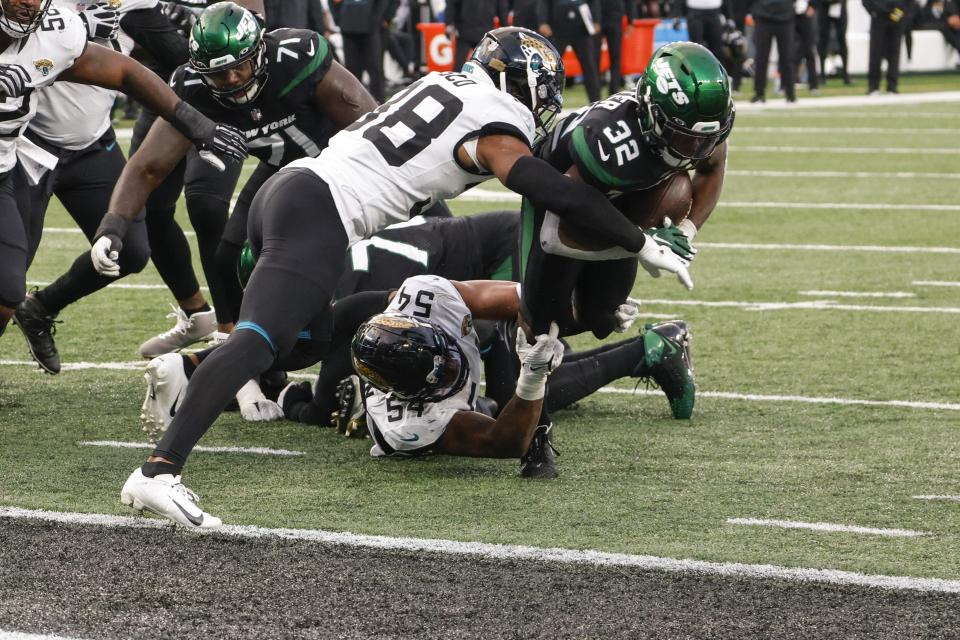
[(573, 201), (153, 31)]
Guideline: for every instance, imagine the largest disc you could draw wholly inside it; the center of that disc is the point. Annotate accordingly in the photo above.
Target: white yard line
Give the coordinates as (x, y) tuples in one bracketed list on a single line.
[(859, 294), (826, 247), (16, 635), (726, 395), (907, 175), (948, 498), (918, 151), (882, 130), (813, 305), (935, 283), (517, 552), (884, 115), (862, 100), (829, 527), (75, 230), (263, 451), (115, 285)]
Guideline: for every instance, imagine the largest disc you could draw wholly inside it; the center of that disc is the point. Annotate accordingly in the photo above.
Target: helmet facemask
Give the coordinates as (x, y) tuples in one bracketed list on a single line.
[(228, 37), (679, 146), (246, 92), (23, 21)]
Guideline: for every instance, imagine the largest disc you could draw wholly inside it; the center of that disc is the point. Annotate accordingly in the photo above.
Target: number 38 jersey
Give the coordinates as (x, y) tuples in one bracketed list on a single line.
[(44, 54), (401, 158), (413, 427)]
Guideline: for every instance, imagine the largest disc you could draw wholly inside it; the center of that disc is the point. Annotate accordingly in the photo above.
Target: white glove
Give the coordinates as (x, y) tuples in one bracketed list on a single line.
[(626, 314), (13, 80), (654, 257), (537, 361), (102, 21), (104, 257), (254, 406)]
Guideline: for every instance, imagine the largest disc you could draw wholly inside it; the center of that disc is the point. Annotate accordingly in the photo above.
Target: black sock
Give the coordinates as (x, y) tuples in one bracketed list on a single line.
[(188, 366), (190, 312), (154, 469), (576, 380)]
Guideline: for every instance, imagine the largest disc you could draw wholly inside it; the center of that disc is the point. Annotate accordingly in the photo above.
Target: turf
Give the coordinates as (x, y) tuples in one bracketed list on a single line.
[(632, 479)]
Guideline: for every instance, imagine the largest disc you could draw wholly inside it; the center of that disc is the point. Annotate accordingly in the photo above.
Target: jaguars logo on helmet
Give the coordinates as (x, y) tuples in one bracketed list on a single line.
[(227, 36), (685, 105), (525, 65), (409, 358)]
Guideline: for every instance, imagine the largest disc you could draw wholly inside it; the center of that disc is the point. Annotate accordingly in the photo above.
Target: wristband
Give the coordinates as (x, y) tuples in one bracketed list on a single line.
[(531, 386), (112, 224), (190, 122), (689, 229)]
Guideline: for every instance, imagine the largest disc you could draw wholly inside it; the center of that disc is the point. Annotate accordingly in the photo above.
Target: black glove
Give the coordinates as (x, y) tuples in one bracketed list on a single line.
[(210, 138), (13, 80), (181, 17), (101, 21)]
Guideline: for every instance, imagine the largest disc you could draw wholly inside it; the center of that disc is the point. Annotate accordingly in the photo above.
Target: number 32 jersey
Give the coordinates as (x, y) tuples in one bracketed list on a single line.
[(402, 427), (401, 158)]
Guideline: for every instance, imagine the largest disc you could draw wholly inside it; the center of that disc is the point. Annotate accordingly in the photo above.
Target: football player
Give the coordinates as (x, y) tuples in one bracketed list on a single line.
[(676, 120), (41, 43), (73, 123), (440, 136), (286, 92)]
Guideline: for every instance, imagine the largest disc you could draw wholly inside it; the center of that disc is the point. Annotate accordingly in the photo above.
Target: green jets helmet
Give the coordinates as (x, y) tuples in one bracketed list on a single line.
[(227, 36), (246, 261), (685, 104)]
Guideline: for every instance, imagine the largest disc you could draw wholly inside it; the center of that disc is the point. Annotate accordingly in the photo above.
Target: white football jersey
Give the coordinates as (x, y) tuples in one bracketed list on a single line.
[(74, 116), (400, 158), (409, 427), (44, 54)]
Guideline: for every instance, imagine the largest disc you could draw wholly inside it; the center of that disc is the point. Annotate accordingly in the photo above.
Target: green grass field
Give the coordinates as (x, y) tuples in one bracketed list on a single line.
[(632, 480)]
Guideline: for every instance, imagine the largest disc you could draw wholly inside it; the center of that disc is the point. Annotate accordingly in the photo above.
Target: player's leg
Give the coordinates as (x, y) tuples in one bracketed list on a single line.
[(231, 244), (300, 241), (601, 288), (13, 246), (208, 194), (494, 236)]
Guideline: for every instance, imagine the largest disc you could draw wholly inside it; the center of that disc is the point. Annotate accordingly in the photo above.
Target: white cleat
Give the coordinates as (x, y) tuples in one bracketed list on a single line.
[(166, 386), (185, 332), (166, 496)]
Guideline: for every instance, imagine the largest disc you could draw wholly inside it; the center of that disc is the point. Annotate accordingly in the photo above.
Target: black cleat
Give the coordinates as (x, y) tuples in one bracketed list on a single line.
[(38, 328), (666, 360), (350, 418), (538, 462), (293, 396)]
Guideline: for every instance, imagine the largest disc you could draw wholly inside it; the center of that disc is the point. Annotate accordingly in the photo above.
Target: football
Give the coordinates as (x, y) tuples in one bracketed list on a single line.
[(671, 198)]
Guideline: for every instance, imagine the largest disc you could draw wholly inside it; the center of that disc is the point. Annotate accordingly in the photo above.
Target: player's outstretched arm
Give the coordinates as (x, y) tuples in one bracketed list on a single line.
[(342, 97), (474, 434), (105, 68), (490, 299)]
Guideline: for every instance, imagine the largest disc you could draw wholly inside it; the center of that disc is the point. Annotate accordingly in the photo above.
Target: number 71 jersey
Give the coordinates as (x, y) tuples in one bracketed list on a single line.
[(400, 158)]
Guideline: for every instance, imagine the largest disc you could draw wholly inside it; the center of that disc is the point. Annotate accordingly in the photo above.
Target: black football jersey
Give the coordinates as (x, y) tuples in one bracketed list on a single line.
[(603, 140), (282, 124), (477, 247)]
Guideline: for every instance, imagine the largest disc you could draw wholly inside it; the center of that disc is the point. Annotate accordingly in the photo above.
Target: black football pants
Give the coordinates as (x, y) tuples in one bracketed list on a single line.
[(764, 33)]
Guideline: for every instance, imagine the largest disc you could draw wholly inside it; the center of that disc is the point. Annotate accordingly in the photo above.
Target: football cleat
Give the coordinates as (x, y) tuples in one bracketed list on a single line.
[(538, 461), (350, 418), (166, 386), (293, 396), (38, 328), (666, 361), (187, 330), (166, 496)]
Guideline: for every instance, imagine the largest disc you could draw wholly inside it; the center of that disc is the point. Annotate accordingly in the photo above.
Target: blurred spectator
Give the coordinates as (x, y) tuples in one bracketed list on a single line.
[(773, 19), (362, 24), (886, 32), (611, 29), (294, 14), (832, 14), (805, 21), (401, 42), (951, 23), (468, 20), (705, 22), (575, 23), (526, 14), (734, 53)]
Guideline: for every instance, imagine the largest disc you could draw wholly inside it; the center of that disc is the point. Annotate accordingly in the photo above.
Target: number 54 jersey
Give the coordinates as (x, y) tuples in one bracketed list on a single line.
[(401, 158), (402, 427)]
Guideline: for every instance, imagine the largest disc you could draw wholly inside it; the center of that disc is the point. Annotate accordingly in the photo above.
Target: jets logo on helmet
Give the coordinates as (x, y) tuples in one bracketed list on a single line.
[(525, 65), (684, 103)]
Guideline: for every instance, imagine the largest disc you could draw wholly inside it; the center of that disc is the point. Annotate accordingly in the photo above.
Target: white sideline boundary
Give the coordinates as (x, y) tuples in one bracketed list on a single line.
[(516, 552), (947, 498), (16, 635), (724, 395), (859, 294), (263, 451), (829, 527), (935, 283)]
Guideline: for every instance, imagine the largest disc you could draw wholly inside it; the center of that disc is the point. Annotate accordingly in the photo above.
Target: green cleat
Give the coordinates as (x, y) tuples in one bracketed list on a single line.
[(666, 361)]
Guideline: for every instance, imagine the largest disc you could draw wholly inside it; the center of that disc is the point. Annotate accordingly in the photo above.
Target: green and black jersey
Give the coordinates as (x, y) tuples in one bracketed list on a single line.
[(283, 123), (603, 140)]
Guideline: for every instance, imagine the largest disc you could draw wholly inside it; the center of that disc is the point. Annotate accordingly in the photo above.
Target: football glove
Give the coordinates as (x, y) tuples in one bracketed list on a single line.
[(626, 314), (537, 361), (674, 238), (181, 17), (210, 138), (254, 406), (13, 80), (107, 245), (655, 257), (101, 20)]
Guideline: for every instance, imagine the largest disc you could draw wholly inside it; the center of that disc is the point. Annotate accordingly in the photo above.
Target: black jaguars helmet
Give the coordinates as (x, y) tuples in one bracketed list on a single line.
[(526, 65), (410, 358), (19, 20)]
